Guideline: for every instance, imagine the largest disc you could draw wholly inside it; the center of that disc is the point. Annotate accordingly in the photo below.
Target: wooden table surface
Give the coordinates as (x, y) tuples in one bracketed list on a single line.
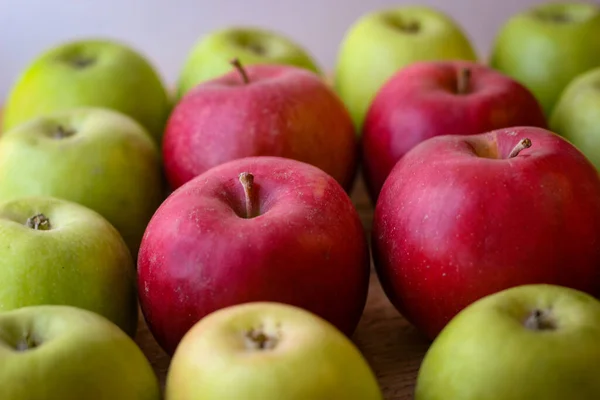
[(392, 347)]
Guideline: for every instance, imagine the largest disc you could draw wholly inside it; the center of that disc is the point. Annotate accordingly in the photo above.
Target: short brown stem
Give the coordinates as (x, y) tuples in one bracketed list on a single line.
[(62, 132), (26, 343), (39, 222), (522, 145), (259, 340), (540, 320), (463, 81), (247, 181), (238, 65)]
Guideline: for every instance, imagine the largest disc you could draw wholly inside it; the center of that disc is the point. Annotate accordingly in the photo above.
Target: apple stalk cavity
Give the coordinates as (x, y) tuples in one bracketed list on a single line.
[(540, 320), (238, 65), (61, 132), (522, 145), (39, 222), (81, 62), (26, 343), (257, 339), (410, 26)]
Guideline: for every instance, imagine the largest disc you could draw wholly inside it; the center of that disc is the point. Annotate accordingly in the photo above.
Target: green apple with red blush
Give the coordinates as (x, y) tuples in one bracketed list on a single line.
[(270, 351)]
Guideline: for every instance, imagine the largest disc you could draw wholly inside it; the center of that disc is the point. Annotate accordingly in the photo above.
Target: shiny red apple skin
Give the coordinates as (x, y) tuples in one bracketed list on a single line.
[(451, 227), (282, 111), (421, 101), (307, 248)]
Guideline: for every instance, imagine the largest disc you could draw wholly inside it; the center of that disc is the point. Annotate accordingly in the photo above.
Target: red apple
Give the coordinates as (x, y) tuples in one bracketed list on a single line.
[(464, 216), (260, 110), (433, 98), (253, 229)]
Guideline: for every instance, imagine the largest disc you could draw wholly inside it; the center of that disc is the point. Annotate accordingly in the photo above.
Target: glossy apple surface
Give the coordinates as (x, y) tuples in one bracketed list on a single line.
[(460, 217), (383, 41), (433, 98), (58, 252), (50, 352), (546, 46), (576, 116), (260, 110), (99, 158), (297, 240), (90, 73), (268, 351), (210, 56), (528, 342)]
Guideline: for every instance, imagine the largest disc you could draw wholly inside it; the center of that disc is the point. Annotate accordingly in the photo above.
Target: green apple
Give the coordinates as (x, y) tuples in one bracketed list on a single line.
[(267, 351), (546, 46), (54, 251), (91, 73), (576, 115), (527, 342), (212, 54), (383, 41), (50, 352), (97, 157)]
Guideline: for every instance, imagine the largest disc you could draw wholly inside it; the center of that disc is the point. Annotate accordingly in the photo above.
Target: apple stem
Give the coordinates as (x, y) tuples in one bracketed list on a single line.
[(62, 132), (39, 222), (238, 65), (26, 343), (522, 145), (539, 320), (247, 181), (257, 339), (463, 81)]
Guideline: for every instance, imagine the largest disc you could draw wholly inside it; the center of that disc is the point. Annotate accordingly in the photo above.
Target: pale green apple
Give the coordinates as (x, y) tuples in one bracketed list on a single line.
[(268, 351), (53, 352), (212, 54), (576, 115), (384, 41), (546, 46), (523, 343), (97, 157), (53, 251), (92, 73)]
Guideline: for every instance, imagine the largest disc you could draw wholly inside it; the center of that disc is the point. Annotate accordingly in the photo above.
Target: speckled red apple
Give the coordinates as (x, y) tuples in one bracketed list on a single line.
[(254, 229), (260, 110)]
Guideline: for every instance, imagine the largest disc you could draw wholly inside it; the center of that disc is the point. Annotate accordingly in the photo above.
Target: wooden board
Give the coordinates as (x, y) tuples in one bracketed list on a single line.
[(393, 348)]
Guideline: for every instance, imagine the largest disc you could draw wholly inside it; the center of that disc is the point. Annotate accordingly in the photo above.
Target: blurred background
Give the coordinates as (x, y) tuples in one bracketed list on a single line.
[(165, 30)]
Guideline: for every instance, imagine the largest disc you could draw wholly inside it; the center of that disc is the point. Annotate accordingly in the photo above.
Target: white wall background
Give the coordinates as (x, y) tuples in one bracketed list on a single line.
[(165, 30)]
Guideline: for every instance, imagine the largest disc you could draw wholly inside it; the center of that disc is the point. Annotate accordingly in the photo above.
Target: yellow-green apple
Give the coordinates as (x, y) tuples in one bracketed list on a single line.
[(210, 56), (432, 98), (528, 342), (463, 216), (383, 41), (576, 115), (50, 352), (268, 350), (90, 73), (260, 110), (53, 251), (97, 157), (547, 45), (253, 229)]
